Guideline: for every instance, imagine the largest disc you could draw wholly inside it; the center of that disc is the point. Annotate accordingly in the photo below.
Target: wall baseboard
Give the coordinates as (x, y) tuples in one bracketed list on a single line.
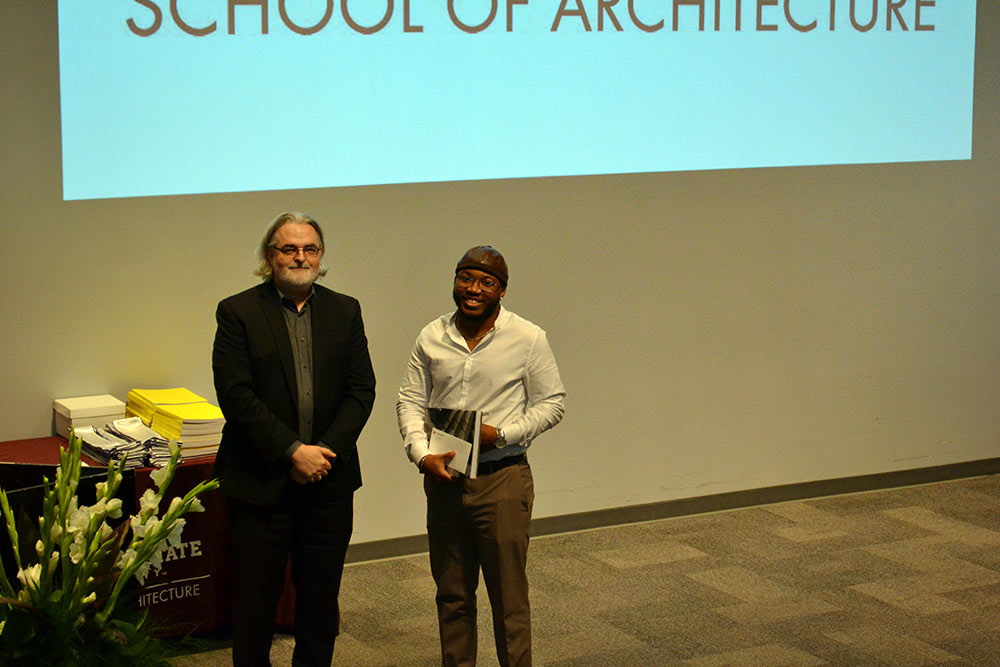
[(414, 544)]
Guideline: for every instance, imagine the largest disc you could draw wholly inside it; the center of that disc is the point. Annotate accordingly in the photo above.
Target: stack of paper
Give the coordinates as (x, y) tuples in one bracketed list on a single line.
[(85, 411), (124, 438), (142, 403), (197, 426), (182, 415), (157, 448)]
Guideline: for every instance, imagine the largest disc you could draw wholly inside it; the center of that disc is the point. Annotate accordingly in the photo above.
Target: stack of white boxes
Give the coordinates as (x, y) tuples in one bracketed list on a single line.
[(86, 411)]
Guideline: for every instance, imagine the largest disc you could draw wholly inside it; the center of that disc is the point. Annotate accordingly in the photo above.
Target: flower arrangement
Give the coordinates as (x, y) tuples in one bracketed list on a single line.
[(64, 606)]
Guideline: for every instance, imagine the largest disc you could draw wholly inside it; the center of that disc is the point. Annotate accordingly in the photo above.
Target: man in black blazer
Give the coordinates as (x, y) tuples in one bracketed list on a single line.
[(295, 383)]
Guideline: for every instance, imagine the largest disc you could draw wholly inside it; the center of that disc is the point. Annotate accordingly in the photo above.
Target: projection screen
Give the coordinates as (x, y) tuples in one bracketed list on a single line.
[(194, 96)]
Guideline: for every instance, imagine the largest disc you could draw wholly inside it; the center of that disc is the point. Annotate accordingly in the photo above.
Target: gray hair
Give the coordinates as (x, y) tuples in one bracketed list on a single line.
[(264, 267)]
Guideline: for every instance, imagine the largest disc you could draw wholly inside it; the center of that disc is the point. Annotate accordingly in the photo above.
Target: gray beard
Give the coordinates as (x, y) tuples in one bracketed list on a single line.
[(295, 278)]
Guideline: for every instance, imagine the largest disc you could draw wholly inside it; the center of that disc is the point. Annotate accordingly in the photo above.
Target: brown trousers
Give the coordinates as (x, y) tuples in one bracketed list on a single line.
[(473, 524)]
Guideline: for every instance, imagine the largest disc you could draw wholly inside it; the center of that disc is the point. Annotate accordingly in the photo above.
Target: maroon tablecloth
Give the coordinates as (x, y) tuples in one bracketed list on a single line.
[(191, 593)]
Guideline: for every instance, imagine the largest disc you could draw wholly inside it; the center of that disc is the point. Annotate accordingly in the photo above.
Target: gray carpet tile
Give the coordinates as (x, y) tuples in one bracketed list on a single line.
[(907, 576)]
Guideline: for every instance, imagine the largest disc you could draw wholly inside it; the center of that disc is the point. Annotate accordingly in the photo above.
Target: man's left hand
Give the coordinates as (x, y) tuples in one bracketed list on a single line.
[(311, 463)]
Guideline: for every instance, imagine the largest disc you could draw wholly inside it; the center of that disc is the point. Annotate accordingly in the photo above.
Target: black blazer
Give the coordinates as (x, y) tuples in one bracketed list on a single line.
[(255, 384)]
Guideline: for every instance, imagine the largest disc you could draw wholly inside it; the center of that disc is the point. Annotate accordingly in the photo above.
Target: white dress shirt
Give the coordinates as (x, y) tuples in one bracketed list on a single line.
[(511, 376)]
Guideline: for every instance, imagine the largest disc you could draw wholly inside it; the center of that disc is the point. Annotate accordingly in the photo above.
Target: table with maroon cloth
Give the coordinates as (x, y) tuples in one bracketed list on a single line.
[(191, 592)]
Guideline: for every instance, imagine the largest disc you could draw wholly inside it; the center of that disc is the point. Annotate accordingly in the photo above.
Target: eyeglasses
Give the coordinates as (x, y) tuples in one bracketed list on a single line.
[(465, 280), (293, 250)]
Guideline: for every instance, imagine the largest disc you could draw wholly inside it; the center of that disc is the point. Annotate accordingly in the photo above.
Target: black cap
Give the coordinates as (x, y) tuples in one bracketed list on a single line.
[(487, 259)]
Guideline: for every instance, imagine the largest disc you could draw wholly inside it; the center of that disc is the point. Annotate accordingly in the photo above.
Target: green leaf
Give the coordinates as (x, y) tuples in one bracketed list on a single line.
[(116, 634), (20, 627), (27, 535)]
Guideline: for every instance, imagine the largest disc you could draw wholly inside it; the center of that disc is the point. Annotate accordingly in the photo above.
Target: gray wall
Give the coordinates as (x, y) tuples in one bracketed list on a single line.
[(717, 331)]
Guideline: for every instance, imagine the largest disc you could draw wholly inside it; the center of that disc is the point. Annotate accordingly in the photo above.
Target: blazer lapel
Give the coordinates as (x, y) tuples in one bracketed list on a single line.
[(271, 305)]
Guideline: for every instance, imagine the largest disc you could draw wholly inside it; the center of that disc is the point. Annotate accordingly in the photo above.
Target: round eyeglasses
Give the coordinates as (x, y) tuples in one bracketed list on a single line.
[(486, 283)]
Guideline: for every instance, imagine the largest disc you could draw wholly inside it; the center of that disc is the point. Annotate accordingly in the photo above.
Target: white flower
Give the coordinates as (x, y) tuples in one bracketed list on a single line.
[(29, 577), (53, 560), (196, 506), (141, 572), (56, 533), (78, 522), (174, 538), (156, 560), (149, 502), (98, 509), (152, 526), (175, 505), (39, 547), (78, 549), (115, 508), (106, 532), (159, 476), (138, 527), (102, 489), (125, 559)]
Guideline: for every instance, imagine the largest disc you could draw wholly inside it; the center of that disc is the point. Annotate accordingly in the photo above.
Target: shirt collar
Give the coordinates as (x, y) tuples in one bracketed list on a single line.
[(287, 300)]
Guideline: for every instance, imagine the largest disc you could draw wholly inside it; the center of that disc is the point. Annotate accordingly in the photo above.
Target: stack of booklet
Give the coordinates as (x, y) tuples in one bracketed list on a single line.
[(452, 430), (182, 415), (126, 438), (142, 403), (197, 426)]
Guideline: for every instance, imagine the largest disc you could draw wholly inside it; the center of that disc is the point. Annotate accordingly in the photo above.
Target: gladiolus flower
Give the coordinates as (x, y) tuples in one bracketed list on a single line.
[(78, 522), (175, 505), (141, 572), (159, 476), (174, 538), (78, 549), (149, 503), (114, 508), (29, 577)]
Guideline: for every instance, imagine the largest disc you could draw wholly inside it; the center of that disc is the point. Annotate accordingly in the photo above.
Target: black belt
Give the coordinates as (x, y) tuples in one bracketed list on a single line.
[(490, 467)]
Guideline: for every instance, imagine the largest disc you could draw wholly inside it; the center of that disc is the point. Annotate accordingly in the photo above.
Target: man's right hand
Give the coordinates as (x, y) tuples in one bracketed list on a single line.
[(436, 465), (311, 463)]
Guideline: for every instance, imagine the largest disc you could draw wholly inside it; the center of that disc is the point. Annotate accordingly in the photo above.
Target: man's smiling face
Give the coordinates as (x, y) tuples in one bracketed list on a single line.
[(477, 293)]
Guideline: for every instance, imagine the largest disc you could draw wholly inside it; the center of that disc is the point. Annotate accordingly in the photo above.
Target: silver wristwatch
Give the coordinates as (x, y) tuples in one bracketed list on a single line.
[(501, 441)]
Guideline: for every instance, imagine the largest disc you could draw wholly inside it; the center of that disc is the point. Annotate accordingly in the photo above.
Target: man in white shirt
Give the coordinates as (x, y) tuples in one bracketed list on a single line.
[(481, 357)]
